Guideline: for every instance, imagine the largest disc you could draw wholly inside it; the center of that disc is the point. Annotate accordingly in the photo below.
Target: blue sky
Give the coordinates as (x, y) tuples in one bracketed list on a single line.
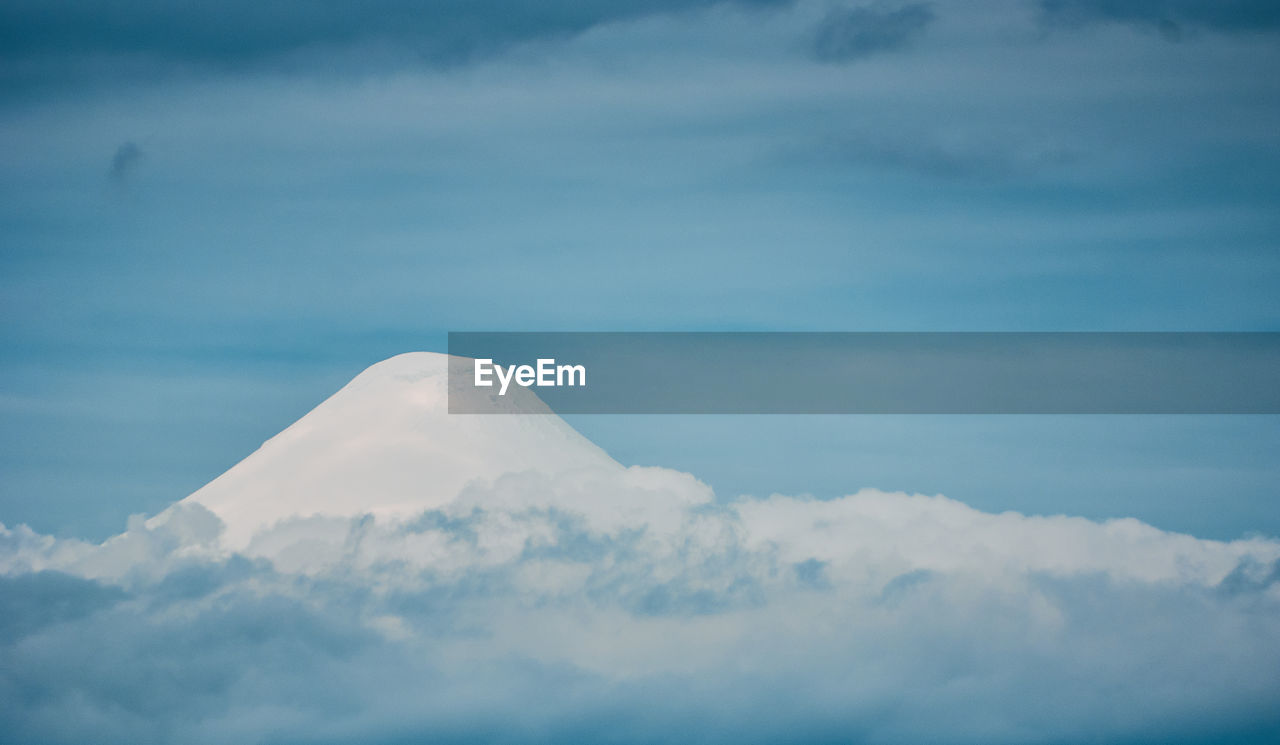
[(214, 215), (213, 219)]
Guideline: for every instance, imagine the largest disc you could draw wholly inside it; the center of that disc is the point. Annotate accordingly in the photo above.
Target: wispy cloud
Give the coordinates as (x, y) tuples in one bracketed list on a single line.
[(1171, 17), (58, 42), (853, 33)]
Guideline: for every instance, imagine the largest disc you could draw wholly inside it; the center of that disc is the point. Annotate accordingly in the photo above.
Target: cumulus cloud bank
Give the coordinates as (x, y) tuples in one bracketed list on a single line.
[(629, 605)]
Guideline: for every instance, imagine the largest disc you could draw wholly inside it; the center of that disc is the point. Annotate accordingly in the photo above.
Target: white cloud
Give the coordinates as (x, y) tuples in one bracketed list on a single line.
[(628, 602)]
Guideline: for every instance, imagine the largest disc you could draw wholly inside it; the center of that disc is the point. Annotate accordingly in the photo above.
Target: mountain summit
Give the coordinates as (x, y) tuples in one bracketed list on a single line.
[(385, 444)]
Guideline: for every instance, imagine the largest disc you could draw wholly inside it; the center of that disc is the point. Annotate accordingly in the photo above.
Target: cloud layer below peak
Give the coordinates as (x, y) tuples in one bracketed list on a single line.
[(630, 605)]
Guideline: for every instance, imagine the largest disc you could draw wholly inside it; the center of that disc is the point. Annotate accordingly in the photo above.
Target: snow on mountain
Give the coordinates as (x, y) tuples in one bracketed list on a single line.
[(386, 445)]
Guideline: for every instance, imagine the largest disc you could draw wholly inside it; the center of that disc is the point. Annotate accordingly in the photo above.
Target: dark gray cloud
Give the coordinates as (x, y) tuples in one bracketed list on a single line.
[(1171, 17), (854, 33), (124, 162), (42, 42), (33, 601)]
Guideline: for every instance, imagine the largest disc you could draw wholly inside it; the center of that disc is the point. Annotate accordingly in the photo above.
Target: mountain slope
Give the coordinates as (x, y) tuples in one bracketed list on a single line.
[(386, 445)]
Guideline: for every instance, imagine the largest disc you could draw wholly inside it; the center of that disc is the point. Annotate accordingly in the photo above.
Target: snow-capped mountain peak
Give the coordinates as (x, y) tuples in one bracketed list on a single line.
[(386, 445)]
